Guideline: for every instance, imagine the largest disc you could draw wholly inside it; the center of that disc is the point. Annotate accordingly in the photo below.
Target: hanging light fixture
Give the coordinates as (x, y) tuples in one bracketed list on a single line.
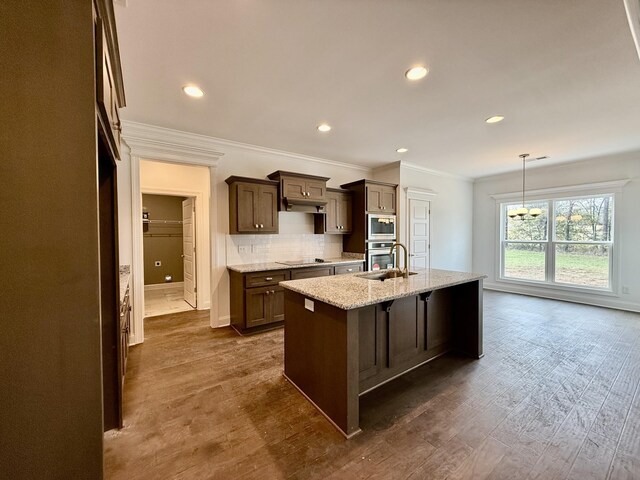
[(523, 211)]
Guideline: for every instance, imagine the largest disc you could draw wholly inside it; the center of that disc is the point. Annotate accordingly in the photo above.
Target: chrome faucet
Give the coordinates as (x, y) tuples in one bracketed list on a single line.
[(405, 271)]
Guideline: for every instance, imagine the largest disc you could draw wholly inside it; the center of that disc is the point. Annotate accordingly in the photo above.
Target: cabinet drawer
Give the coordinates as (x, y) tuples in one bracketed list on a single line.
[(311, 273), (350, 268), (263, 279)]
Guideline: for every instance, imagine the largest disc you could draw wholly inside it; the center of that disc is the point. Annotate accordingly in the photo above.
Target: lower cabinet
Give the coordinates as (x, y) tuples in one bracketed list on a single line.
[(257, 299), (264, 305)]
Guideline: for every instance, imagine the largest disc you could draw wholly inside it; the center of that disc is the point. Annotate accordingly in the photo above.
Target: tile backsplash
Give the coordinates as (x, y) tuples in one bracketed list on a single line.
[(289, 246)]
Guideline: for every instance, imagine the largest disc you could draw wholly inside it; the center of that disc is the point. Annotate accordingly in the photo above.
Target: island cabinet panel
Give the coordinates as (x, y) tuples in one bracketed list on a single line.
[(335, 355), (370, 341), (321, 356), (439, 313), (406, 325)]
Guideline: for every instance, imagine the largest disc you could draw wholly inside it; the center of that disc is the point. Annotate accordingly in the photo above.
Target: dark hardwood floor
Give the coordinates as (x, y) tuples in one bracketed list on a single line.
[(556, 396)]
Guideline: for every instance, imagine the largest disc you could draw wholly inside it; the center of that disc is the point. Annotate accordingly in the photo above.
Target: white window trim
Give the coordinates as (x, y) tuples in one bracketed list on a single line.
[(613, 188)]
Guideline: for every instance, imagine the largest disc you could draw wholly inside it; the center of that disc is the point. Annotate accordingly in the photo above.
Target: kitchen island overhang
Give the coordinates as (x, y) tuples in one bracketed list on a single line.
[(345, 336)]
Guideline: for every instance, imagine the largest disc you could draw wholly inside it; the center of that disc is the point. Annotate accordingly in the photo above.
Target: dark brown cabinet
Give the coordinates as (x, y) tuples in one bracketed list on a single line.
[(311, 272), (253, 205), (339, 213), (257, 301), (109, 92), (368, 196), (381, 198), (300, 192), (264, 305)]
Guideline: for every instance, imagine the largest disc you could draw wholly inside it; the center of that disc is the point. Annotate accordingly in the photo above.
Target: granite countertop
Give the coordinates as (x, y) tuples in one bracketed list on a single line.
[(261, 267), (351, 291), (125, 278)]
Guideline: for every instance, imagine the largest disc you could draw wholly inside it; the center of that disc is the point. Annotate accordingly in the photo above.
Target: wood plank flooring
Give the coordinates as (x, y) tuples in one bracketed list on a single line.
[(555, 397)]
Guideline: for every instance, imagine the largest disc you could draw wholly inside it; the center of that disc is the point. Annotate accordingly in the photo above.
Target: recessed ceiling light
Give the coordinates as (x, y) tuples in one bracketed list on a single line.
[(324, 127), (402, 150), (416, 73), (494, 119), (193, 91)]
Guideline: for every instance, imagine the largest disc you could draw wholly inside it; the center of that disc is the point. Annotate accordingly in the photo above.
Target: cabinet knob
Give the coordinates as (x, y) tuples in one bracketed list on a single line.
[(273, 292), (267, 292), (257, 226), (261, 225)]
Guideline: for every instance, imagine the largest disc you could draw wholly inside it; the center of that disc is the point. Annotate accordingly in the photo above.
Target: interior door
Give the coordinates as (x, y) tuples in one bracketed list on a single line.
[(189, 250), (419, 233)]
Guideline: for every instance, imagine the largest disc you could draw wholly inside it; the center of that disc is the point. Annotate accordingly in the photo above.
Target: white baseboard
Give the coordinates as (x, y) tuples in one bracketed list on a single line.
[(223, 321), (586, 299), (162, 286)]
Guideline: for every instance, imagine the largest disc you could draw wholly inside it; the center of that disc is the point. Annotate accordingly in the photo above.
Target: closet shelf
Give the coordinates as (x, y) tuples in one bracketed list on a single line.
[(164, 222)]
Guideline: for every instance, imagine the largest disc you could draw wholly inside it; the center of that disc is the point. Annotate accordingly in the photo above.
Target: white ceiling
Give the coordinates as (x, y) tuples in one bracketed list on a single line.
[(564, 73)]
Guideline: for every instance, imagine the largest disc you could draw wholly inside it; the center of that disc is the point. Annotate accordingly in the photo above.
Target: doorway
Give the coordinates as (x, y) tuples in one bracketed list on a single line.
[(169, 252)]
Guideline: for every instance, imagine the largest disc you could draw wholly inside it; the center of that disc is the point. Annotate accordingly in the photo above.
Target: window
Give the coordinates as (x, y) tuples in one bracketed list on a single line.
[(570, 244)]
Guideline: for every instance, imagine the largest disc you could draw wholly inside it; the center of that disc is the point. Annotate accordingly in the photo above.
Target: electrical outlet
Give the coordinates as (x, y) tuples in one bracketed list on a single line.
[(158, 263), (625, 290), (244, 249)]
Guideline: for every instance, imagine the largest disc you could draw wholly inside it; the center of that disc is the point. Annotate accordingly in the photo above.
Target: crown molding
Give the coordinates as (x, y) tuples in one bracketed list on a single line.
[(140, 137), (431, 171), (164, 144), (411, 191), (609, 187)]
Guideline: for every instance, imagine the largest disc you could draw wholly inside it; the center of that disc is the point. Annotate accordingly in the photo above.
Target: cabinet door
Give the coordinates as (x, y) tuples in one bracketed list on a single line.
[(105, 92), (276, 301), (293, 187), (374, 198), (267, 208), (388, 199), (332, 219), (257, 305), (247, 201), (315, 189), (345, 213)]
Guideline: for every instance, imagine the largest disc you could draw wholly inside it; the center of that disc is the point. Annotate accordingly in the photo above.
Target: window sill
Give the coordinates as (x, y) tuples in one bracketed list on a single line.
[(560, 287)]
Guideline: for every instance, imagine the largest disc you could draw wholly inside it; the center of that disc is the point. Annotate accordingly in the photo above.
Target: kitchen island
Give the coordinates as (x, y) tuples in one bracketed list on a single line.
[(348, 334)]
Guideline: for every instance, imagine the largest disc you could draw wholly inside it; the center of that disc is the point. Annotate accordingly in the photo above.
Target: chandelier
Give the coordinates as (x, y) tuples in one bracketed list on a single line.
[(523, 211)]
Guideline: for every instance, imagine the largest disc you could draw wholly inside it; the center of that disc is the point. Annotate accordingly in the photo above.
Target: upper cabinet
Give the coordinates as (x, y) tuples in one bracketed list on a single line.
[(338, 218), (299, 192), (380, 198), (253, 205), (109, 87)]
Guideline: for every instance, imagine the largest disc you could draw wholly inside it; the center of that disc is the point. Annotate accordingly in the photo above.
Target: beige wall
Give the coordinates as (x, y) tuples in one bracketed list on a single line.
[(626, 254), (163, 242)]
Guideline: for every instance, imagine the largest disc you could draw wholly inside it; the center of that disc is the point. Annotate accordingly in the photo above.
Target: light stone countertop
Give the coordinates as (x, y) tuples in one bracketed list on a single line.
[(261, 267), (125, 277), (350, 291)]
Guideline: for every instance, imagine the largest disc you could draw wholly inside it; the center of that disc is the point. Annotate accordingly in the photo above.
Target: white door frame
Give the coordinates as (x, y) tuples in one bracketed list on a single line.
[(147, 142), (202, 268)]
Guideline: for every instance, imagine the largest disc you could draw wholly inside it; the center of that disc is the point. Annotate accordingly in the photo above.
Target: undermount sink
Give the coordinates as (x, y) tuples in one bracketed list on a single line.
[(385, 274)]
